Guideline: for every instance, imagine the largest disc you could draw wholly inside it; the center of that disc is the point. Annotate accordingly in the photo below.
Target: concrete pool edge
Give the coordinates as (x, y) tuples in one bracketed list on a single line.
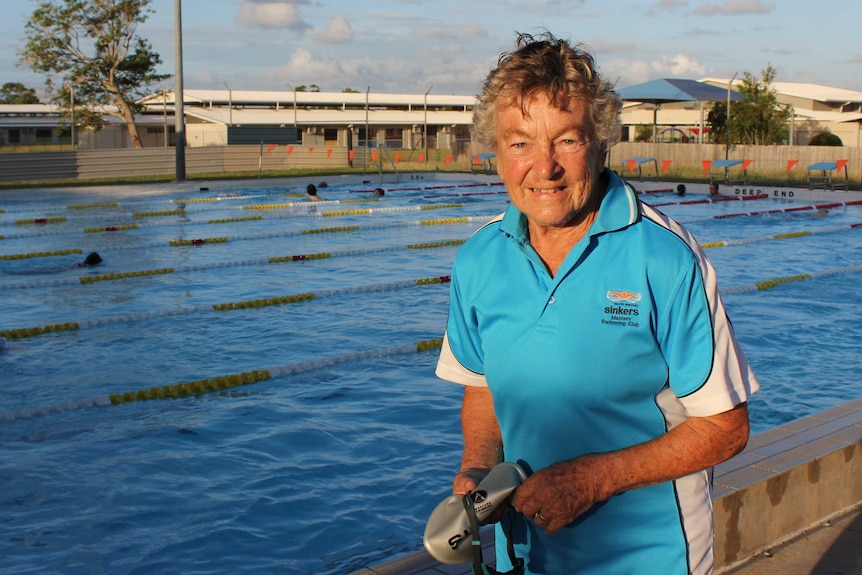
[(788, 480)]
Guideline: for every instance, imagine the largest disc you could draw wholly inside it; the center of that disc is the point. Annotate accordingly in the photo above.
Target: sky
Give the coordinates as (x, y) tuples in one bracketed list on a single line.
[(449, 46)]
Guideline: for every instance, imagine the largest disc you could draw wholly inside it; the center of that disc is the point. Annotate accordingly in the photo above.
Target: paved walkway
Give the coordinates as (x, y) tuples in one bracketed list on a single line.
[(832, 548)]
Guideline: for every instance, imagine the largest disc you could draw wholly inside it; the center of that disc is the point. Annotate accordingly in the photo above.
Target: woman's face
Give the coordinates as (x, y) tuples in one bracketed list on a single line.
[(549, 160)]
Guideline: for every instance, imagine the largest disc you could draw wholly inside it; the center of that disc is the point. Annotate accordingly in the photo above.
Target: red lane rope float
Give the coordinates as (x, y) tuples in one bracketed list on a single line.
[(40, 221), (464, 194), (110, 229), (786, 210), (40, 254), (776, 211), (659, 191), (713, 200), (198, 242)]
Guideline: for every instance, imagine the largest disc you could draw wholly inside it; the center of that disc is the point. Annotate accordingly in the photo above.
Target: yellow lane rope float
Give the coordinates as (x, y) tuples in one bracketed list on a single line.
[(40, 221), (39, 254), (54, 282), (221, 383), (111, 229), (14, 334)]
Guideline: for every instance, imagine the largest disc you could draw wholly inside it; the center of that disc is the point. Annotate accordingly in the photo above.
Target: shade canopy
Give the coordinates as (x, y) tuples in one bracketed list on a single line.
[(666, 90)]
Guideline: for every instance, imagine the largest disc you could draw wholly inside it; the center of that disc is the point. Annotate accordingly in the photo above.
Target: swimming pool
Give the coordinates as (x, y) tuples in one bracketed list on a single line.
[(325, 439)]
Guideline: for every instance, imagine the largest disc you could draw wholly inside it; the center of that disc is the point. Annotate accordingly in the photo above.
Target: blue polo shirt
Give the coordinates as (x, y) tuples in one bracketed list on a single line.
[(626, 341)]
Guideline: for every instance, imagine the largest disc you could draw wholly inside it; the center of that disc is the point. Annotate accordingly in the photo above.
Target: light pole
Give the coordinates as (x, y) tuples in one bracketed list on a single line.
[(72, 112), (727, 120), (229, 105), (179, 110), (425, 125), (294, 103)]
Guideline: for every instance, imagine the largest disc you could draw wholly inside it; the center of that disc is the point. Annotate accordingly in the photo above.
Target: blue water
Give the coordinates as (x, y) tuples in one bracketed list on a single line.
[(336, 462)]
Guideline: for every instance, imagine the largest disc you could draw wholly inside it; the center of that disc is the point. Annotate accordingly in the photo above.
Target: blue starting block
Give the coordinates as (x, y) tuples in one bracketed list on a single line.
[(820, 176)]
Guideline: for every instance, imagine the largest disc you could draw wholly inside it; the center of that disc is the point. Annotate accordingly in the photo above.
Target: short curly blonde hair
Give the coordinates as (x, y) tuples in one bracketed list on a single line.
[(546, 64)]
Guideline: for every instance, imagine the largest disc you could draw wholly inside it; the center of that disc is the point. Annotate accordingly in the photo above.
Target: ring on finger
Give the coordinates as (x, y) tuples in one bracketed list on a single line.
[(538, 515)]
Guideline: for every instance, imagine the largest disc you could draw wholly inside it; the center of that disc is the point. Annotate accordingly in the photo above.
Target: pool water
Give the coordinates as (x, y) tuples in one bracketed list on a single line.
[(335, 461)]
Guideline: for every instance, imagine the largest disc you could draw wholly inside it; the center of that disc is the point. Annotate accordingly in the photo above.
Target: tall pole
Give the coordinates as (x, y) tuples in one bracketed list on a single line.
[(165, 114), (72, 111), (727, 121), (425, 135), (229, 104), (367, 134), (179, 111), (289, 85)]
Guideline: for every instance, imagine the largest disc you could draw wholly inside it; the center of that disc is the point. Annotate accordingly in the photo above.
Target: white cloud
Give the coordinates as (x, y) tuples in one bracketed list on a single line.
[(630, 72), (338, 31), (678, 65), (730, 7), (278, 15)]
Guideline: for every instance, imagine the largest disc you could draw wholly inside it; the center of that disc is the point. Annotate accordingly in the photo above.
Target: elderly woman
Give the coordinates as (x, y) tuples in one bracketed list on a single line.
[(590, 338)]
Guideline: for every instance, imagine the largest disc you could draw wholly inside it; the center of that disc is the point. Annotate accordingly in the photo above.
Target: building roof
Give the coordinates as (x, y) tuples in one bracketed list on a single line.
[(285, 98), (324, 117), (802, 90), (666, 90)]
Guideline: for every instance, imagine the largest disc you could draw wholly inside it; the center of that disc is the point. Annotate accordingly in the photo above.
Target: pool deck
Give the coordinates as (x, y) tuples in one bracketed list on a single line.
[(790, 503)]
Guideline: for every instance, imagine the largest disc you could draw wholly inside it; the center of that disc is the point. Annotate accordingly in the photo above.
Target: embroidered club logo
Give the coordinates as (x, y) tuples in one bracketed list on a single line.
[(623, 296)]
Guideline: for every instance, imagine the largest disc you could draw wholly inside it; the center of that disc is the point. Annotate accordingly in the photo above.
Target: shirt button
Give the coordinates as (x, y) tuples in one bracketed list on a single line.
[(551, 301)]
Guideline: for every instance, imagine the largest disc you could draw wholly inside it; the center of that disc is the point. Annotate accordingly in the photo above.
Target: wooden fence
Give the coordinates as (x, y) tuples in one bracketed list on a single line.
[(677, 161), (766, 162)]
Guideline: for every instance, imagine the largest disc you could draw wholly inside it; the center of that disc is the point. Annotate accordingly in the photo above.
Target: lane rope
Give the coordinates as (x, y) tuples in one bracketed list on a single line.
[(28, 332), (828, 206), (54, 282), (220, 383)]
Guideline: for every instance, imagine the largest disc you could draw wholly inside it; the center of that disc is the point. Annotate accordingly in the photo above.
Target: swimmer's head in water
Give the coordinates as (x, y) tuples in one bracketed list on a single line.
[(92, 259)]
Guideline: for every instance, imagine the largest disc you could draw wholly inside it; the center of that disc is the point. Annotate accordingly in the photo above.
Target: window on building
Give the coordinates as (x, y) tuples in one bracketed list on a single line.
[(14, 136)]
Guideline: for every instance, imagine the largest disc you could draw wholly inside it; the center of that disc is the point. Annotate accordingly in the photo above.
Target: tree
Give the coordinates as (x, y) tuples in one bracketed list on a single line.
[(17, 93), (94, 57), (758, 119), (825, 139)]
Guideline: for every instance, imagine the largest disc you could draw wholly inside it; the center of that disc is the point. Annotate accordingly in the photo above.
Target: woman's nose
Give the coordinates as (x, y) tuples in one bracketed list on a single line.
[(545, 163)]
